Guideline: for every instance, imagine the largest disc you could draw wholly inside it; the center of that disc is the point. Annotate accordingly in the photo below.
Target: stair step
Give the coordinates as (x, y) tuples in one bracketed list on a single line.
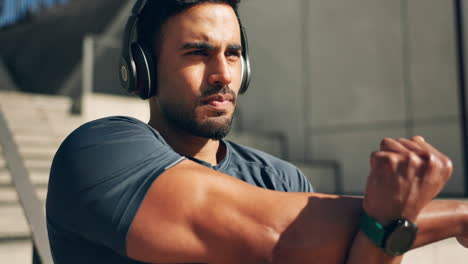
[(38, 156), (33, 166), (37, 178), (14, 100), (34, 150), (36, 139), (12, 222), (16, 252), (38, 165), (8, 194)]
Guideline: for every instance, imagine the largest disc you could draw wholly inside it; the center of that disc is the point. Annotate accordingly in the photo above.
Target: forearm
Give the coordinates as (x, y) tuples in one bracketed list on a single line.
[(439, 220)]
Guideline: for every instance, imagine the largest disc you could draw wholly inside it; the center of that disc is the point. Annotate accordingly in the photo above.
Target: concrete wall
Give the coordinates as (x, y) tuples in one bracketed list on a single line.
[(336, 76)]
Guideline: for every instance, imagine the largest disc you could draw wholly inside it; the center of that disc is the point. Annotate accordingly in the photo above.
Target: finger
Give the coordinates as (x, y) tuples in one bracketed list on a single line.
[(413, 165), (391, 145), (390, 160), (426, 146), (437, 159), (412, 146)]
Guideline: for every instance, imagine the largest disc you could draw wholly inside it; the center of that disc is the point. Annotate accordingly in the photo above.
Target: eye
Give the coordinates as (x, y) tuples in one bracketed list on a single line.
[(233, 54), (198, 53)]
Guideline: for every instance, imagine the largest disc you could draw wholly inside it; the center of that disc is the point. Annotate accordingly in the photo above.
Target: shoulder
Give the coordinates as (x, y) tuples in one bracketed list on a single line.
[(110, 146), (111, 134), (100, 175), (107, 128)]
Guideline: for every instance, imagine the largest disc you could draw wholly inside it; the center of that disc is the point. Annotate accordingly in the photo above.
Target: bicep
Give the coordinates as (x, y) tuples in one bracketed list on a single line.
[(187, 211), (194, 214)]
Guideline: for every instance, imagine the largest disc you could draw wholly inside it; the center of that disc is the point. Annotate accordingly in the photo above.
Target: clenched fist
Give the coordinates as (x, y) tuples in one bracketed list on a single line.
[(405, 176)]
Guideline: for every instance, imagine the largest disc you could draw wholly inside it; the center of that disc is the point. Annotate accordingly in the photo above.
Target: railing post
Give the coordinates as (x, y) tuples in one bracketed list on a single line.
[(79, 97)]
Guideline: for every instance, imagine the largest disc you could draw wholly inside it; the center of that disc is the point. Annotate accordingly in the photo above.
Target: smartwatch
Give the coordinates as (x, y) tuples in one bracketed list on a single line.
[(394, 239)]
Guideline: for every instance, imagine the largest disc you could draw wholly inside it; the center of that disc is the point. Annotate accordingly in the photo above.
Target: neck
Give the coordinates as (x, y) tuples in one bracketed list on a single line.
[(186, 144)]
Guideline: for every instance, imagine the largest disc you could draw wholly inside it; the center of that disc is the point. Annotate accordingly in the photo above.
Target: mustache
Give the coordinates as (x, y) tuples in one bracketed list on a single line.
[(218, 90)]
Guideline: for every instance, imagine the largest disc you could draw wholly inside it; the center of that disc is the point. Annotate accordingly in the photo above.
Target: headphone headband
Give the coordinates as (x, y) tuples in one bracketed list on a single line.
[(138, 7)]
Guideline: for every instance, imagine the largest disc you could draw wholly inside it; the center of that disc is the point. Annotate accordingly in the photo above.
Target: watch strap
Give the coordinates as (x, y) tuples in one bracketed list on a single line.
[(374, 230)]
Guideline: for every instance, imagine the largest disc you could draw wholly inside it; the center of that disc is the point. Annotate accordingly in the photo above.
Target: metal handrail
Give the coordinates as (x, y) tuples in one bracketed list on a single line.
[(30, 203)]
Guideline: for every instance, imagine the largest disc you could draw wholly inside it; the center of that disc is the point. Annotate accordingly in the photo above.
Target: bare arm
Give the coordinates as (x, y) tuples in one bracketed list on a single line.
[(195, 214)]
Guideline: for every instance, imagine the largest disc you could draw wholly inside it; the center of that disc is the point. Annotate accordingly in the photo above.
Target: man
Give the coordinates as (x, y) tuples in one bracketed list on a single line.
[(173, 191)]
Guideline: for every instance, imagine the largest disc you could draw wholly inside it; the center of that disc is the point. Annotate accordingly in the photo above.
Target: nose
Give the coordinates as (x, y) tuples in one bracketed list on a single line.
[(220, 72)]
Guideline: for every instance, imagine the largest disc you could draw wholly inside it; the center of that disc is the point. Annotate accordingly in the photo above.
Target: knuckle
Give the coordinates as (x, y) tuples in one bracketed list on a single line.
[(391, 158), (448, 167), (433, 161), (382, 158), (414, 160), (426, 155), (385, 141), (394, 161), (419, 138), (375, 158)]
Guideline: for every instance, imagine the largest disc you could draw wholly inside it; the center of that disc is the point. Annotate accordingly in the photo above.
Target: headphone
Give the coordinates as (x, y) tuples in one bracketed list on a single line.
[(137, 69)]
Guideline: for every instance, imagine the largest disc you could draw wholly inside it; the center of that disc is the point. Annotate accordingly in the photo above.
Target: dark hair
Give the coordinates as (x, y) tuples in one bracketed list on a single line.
[(157, 12)]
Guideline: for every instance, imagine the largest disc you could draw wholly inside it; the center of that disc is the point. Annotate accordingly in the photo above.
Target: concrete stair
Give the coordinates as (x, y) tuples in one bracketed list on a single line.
[(40, 123)]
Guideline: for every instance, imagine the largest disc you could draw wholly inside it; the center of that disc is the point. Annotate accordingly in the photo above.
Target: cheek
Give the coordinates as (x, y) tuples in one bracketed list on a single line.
[(236, 77), (180, 83), (193, 78)]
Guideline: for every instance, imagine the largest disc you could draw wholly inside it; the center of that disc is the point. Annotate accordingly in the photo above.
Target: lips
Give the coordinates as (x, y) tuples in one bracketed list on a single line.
[(218, 99), (219, 104)]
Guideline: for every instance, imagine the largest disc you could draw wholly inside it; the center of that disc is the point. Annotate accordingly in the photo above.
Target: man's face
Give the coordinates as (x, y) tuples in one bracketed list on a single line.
[(199, 70)]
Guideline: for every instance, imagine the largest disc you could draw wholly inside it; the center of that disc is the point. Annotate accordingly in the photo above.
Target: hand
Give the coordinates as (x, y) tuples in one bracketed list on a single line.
[(405, 175)]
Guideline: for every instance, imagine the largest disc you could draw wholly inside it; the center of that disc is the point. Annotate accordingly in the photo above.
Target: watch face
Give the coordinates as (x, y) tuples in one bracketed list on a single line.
[(401, 238)]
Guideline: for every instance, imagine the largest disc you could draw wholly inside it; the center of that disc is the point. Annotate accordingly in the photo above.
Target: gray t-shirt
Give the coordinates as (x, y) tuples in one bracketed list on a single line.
[(102, 171)]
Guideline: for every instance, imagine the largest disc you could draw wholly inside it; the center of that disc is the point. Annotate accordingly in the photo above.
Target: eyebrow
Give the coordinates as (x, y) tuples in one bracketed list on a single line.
[(236, 47), (208, 46), (197, 45)]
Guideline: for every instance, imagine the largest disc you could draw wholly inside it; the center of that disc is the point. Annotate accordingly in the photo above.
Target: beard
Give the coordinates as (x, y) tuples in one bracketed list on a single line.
[(185, 118)]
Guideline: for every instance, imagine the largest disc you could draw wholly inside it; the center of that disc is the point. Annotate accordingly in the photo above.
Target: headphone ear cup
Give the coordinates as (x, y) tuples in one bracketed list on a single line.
[(245, 75), (246, 71), (144, 71), (243, 87)]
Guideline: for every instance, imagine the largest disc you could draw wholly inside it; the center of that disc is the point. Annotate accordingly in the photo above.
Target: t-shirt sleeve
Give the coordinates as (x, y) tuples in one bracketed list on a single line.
[(100, 176), (300, 183)]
